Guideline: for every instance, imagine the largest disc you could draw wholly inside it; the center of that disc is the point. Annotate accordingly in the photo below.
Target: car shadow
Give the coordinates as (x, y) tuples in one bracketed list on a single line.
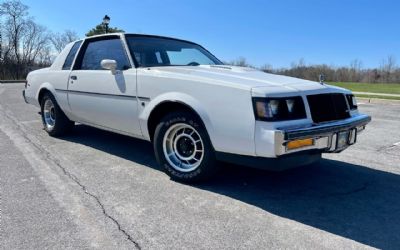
[(352, 201)]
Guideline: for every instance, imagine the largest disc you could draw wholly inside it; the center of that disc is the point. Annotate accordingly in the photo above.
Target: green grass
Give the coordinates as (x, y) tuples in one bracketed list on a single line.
[(379, 97), (387, 88)]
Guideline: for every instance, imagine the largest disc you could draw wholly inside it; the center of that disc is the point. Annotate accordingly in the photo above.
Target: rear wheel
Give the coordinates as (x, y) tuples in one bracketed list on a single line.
[(183, 148), (55, 122)]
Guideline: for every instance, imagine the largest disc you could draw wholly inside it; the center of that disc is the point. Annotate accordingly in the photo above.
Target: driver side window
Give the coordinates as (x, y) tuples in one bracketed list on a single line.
[(97, 50)]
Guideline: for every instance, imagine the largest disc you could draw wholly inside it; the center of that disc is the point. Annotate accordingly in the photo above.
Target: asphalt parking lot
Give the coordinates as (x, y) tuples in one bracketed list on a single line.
[(95, 189)]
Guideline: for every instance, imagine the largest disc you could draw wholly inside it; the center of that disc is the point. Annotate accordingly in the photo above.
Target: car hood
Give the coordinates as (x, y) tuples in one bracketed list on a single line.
[(254, 80)]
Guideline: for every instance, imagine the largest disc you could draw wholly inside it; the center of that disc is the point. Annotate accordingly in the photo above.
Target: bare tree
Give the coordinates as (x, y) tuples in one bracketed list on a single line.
[(59, 40), (71, 35), (241, 61), (388, 67), (15, 13), (25, 44), (355, 68), (35, 38), (44, 57), (267, 68)]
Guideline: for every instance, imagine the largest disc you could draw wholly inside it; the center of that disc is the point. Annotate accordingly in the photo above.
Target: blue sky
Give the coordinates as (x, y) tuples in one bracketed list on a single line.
[(276, 32)]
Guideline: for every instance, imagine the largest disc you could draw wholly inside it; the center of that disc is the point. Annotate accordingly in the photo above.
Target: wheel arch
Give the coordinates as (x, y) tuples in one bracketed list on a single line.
[(45, 87), (61, 101), (159, 107)]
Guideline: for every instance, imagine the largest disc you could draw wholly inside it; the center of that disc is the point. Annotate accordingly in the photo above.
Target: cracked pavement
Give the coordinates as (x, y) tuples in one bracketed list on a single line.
[(98, 190)]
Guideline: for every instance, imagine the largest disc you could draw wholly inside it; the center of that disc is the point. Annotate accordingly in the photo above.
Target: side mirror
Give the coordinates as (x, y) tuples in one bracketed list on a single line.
[(109, 64)]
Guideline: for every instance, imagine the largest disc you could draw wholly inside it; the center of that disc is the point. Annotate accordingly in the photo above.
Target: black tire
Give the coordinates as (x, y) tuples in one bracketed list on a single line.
[(208, 164), (62, 125)]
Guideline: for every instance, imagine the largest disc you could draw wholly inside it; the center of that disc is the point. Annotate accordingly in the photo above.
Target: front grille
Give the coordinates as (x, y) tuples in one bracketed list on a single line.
[(328, 107)]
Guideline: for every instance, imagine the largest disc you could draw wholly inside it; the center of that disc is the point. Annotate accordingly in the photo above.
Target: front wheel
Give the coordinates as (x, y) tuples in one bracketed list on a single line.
[(183, 148)]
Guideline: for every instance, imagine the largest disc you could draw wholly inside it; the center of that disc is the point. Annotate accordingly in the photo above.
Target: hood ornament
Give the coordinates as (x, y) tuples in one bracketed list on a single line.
[(321, 79)]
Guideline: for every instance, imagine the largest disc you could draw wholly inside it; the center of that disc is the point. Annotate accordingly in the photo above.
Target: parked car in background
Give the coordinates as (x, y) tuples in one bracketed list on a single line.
[(193, 108)]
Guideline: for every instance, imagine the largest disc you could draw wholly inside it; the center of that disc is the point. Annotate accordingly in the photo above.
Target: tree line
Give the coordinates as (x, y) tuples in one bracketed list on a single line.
[(388, 72), (26, 45)]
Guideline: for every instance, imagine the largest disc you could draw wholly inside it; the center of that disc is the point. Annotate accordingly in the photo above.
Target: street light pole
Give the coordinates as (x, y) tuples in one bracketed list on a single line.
[(1, 47), (106, 21)]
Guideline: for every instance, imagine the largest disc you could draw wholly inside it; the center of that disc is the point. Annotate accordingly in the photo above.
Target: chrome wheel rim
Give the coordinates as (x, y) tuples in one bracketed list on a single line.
[(183, 147), (49, 114)]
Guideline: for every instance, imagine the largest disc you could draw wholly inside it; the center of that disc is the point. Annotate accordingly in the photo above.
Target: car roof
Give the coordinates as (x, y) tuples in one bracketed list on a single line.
[(135, 34)]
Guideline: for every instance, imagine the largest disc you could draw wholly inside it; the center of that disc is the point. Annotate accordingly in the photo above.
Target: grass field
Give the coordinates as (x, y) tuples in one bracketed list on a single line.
[(378, 97), (386, 88)]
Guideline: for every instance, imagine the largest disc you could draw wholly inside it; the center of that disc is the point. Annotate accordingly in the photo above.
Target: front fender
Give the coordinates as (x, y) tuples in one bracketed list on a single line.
[(174, 97)]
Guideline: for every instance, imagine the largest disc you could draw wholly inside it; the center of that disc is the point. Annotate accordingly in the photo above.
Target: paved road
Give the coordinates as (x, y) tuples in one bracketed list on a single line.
[(94, 189)]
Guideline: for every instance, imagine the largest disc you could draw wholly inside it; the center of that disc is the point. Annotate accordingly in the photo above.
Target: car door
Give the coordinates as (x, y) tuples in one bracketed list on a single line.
[(99, 97)]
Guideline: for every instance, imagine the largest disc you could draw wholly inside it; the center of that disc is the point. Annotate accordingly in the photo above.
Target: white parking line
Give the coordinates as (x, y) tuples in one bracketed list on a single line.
[(29, 122)]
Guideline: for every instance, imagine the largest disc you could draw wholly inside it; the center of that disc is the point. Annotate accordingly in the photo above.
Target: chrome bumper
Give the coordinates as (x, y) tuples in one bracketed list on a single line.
[(324, 135), (23, 95)]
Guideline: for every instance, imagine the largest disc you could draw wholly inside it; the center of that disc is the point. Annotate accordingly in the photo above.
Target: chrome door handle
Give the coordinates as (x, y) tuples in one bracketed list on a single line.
[(74, 78)]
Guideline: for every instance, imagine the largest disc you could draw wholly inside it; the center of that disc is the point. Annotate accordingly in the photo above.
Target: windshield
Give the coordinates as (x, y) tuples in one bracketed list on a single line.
[(157, 51)]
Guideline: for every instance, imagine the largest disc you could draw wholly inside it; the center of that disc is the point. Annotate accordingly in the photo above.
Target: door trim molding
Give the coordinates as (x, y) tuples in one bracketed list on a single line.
[(103, 94)]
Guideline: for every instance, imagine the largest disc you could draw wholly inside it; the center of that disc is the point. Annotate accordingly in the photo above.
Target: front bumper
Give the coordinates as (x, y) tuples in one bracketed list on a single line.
[(272, 164), (324, 135), (23, 95), (271, 143)]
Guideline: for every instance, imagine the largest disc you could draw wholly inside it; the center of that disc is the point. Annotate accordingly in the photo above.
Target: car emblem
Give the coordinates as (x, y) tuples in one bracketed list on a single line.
[(321, 78)]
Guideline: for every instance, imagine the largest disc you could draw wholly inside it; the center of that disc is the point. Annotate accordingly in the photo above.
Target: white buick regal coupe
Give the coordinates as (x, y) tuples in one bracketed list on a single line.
[(193, 108)]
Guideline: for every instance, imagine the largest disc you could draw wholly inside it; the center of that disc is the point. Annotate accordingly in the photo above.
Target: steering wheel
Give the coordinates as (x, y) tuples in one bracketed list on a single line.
[(193, 64)]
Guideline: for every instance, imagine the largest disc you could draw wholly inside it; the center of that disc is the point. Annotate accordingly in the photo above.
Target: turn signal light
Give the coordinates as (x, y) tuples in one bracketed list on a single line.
[(299, 143)]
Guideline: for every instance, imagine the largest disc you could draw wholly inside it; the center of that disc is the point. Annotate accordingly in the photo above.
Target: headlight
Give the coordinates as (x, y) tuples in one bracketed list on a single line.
[(279, 109), (351, 99), (354, 100)]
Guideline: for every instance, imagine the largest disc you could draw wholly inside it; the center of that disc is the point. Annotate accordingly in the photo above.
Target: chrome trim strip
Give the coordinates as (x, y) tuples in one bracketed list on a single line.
[(326, 128), (103, 94), (143, 99), (23, 94)]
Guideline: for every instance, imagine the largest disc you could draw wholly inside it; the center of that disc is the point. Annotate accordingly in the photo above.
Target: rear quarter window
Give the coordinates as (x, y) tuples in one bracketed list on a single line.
[(71, 55)]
